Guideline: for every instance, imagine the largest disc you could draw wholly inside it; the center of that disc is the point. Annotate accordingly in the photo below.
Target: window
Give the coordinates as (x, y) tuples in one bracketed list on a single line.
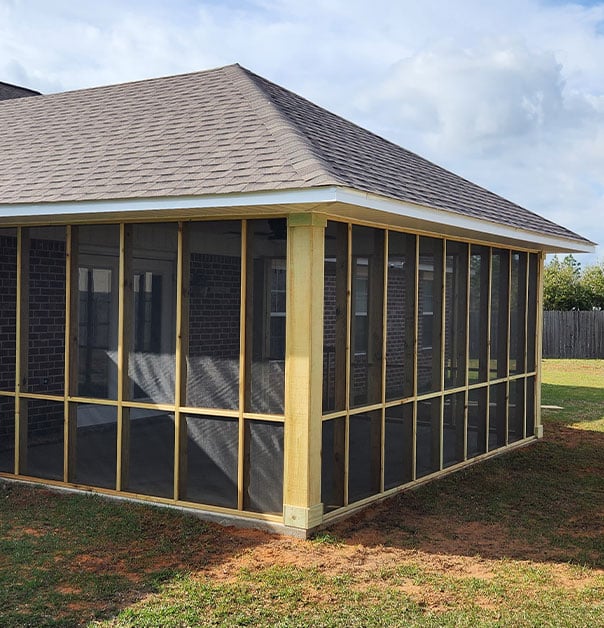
[(276, 311), (147, 312), (95, 334), (426, 278), (361, 305)]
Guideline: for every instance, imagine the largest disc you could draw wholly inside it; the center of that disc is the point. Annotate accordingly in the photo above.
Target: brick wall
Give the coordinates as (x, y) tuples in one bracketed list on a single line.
[(395, 329), (46, 336), (46, 317), (214, 313), (214, 305), (329, 336)]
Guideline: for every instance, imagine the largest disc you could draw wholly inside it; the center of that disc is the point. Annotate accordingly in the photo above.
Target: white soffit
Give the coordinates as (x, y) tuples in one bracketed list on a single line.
[(353, 202)]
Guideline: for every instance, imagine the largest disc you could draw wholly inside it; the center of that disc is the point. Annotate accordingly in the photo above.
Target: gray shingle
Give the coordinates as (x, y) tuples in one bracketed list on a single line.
[(218, 131), (8, 91)]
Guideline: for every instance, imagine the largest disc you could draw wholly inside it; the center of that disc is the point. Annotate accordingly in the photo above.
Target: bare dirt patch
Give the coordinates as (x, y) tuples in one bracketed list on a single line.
[(395, 535)]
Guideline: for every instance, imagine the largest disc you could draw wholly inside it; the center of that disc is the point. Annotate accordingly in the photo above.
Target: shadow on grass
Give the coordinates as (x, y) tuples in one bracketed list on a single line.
[(69, 559), (543, 503), (576, 403)]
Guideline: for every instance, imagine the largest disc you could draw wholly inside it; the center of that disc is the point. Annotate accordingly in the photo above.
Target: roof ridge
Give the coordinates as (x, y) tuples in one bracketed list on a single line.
[(303, 141), (139, 81)]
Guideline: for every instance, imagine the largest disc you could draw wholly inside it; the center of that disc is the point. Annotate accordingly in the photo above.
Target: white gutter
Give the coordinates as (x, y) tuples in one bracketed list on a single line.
[(311, 196)]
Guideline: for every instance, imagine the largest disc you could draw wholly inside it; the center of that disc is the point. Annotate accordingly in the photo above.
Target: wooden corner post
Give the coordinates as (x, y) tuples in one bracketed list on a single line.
[(302, 507)]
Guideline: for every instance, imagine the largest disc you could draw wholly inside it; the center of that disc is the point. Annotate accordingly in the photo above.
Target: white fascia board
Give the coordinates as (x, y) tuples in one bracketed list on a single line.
[(467, 223), (243, 199), (311, 196)]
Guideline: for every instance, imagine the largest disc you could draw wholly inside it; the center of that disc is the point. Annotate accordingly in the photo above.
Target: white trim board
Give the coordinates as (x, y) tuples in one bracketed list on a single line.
[(436, 220)]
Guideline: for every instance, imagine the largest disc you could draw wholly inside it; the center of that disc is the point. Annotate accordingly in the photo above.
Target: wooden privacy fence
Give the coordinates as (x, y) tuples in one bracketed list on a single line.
[(573, 334)]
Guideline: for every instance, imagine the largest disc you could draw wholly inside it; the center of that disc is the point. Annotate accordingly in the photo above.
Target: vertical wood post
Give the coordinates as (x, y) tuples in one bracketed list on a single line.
[(488, 356), (376, 350), (415, 350), (244, 365), (22, 350), (349, 337), (466, 410), (539, 345), (302, 507), (125, 333), (342, 361), (71, 352), (438, 356), (182, 350), (386, 255)]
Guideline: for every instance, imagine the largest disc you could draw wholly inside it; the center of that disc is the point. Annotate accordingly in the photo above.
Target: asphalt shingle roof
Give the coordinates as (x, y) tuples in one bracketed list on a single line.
[(219, 131), (14, 91)]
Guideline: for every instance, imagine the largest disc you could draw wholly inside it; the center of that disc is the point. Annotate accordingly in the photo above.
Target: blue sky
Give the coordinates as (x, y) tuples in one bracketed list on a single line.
[(507, 94)]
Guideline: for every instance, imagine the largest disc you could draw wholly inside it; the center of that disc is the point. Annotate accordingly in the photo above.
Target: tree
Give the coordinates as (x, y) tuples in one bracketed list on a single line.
[(562, 288), (592, 283), (567, 287)]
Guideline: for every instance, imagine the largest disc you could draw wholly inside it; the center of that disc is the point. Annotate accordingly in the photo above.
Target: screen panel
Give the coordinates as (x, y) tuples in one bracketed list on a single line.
[(151, 360), (364, 455), (45, 278), (477, 421), (335, 306), (43, 448), (7, 434), (453, 429), (429, 363), (428, 436), (96, 445), (332, 463), (478, 367), (263, 466), (497, 415), (266, 315), (367, 302), (398, 450), (151, 452), (8, 308), (400, 317), (516, 411), (499, 313), (97, 307), (214, 314), (518, 263), (211, 460), (456, 314)]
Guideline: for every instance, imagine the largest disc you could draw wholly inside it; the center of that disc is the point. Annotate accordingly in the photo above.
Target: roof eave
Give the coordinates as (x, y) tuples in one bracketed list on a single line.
[(362, 205), (459, 224)]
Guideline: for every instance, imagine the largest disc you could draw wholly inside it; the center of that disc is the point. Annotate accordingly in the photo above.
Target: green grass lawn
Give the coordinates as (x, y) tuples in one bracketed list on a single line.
[(577, 386), (515, 541)]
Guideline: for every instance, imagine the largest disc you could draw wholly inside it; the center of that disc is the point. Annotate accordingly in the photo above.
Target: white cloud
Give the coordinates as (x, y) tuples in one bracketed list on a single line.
[(473, 99)]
